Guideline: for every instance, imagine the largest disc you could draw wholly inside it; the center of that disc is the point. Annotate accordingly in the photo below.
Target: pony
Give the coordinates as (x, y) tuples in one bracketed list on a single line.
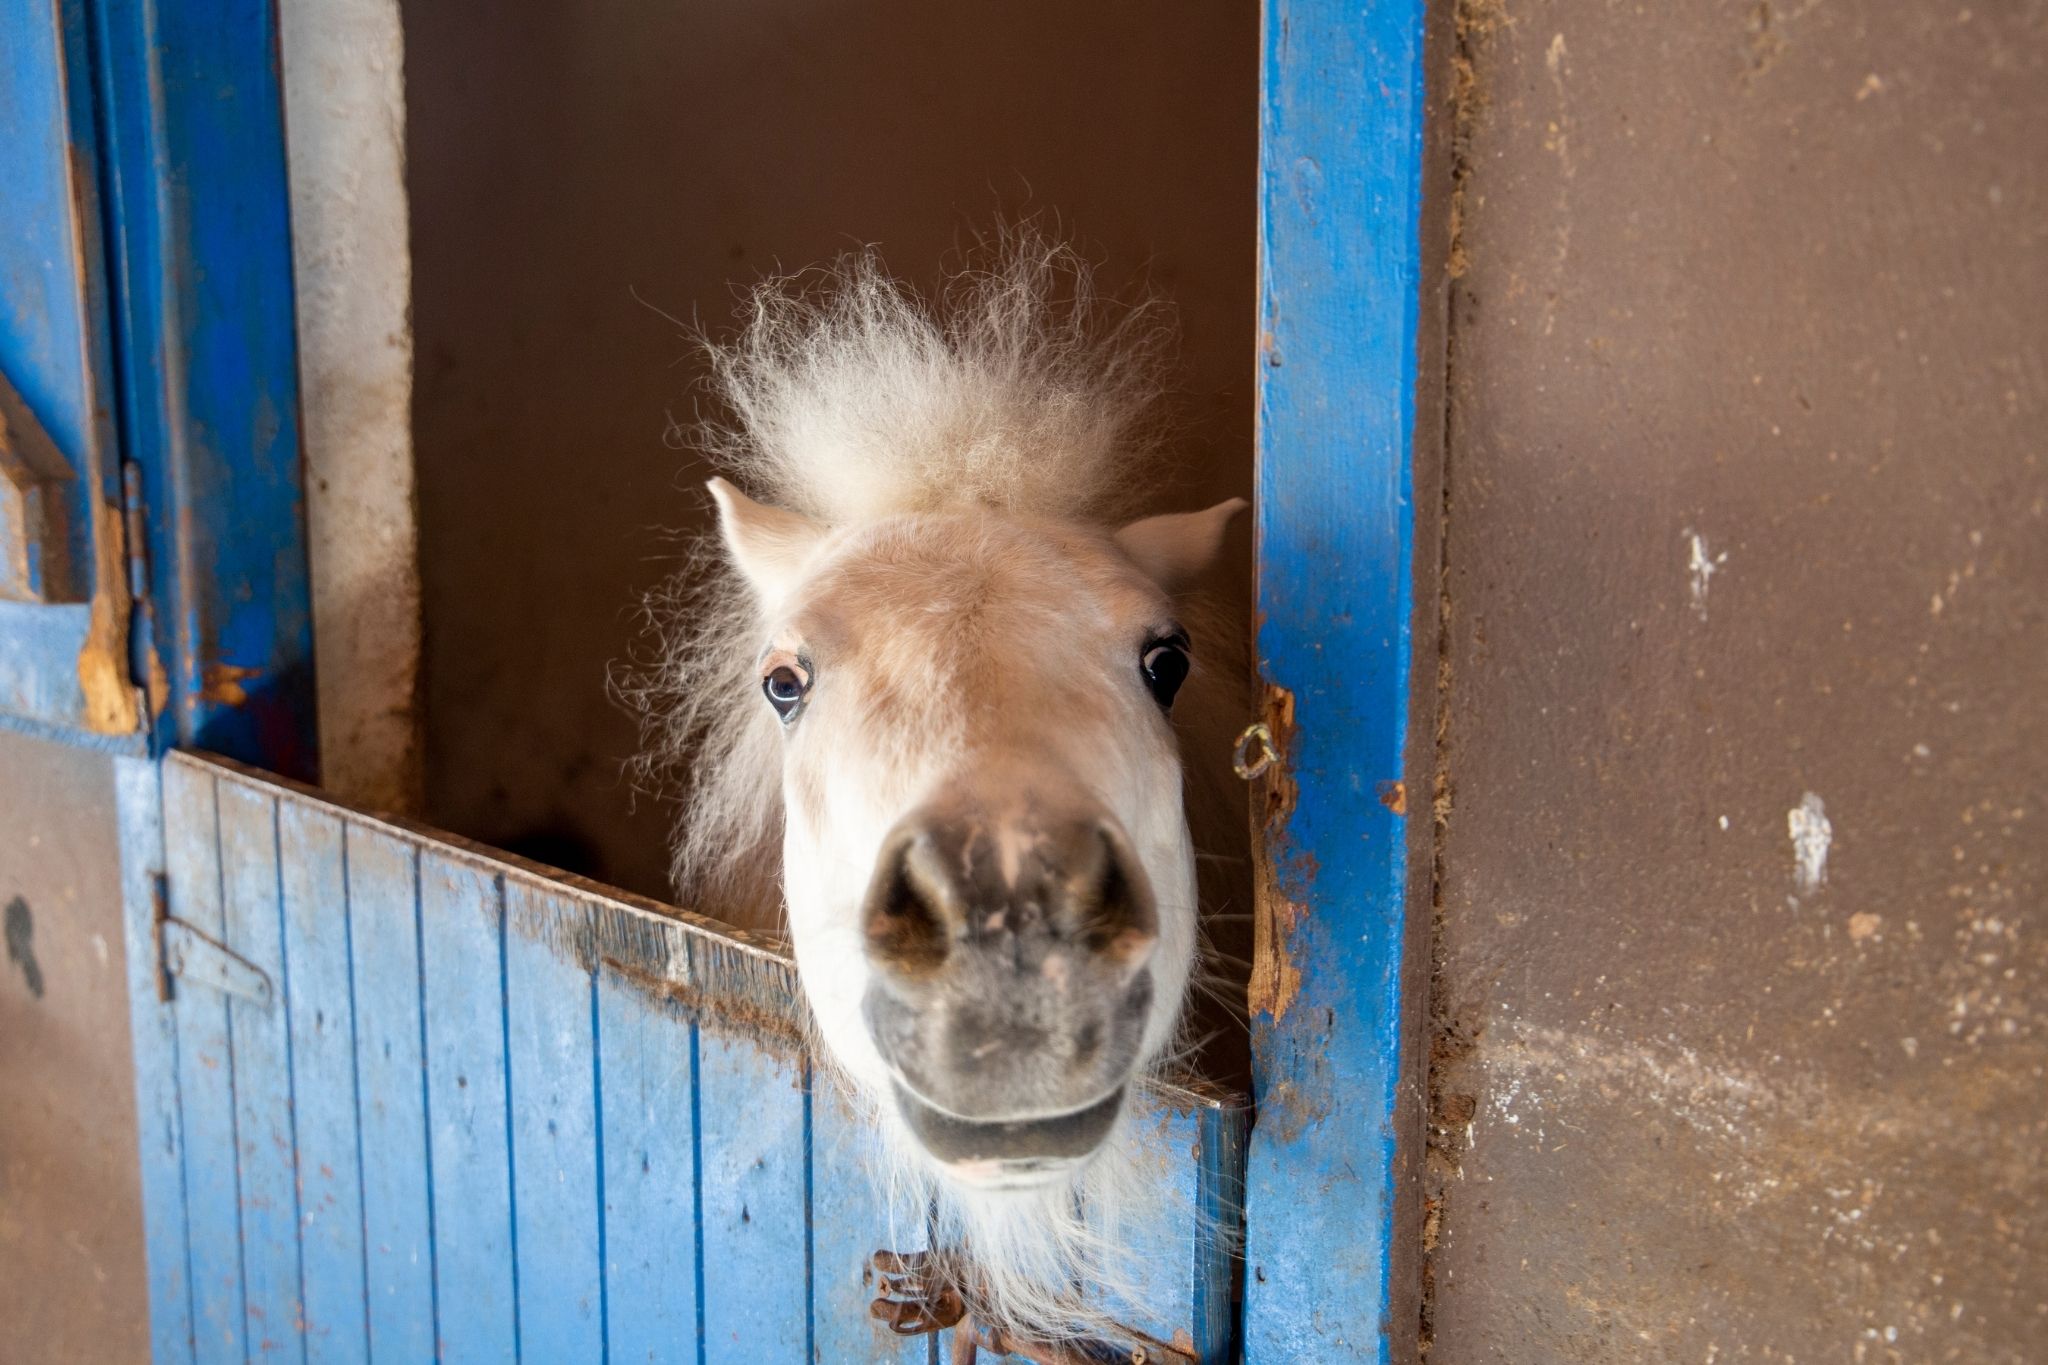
[(921, 685)]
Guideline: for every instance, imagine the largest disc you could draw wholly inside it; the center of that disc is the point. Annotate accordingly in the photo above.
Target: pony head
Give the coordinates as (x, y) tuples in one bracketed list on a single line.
[(945, 670)]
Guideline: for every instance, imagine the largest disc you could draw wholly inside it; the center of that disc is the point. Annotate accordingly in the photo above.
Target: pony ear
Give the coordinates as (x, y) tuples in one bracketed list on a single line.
[(768, 545), (1175, 548)]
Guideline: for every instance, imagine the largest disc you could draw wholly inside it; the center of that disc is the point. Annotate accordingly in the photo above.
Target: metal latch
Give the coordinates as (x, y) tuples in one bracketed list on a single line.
[(192, 956)]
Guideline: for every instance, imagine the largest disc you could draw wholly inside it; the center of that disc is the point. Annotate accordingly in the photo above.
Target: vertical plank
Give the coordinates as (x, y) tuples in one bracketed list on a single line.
[(462, 957), (850, 1221), (650, 1174), (264, 1139), (551, 1023), (1219, 1230), (138, 796), (1341, 159), (396, 1170), (753, 1109), (1156, 1295), (213, 1197), (321, 1012)]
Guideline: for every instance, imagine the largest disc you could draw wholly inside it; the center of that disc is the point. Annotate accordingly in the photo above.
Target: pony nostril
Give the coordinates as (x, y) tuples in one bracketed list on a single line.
[(910, 908), (1111, 902)]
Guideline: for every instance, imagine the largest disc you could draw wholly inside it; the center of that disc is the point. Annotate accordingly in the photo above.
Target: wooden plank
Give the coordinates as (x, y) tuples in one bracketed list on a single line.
[(213, 1197), (754, 1114), (1341, 157), (153, 1028), (397, 1172), (557, 1141), (1219, 1230), (1158, 1296), (850, 1221), (320, 1003), (462, 958), (264, 1138), (645, 1048)]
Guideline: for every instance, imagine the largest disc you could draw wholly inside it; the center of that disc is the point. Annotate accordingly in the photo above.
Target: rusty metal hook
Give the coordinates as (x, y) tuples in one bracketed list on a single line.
[(1241, 758)]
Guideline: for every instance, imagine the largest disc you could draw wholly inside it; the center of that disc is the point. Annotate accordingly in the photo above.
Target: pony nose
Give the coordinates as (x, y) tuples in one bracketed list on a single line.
[(1026, 892)]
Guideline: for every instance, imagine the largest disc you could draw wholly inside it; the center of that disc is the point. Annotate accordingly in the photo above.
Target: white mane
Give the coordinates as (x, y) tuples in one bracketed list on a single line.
[(848, 398)]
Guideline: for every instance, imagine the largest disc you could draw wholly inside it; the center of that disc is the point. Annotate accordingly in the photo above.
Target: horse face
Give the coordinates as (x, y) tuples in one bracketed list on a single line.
[(990, 885)]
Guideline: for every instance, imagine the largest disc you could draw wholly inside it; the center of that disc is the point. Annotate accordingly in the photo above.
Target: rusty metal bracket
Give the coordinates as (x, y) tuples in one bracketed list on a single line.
[(191, 956), (919, 1293)]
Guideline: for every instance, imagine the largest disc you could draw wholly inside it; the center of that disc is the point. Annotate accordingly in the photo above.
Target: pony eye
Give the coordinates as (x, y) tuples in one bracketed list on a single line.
[(785, 687), (1164, 665)]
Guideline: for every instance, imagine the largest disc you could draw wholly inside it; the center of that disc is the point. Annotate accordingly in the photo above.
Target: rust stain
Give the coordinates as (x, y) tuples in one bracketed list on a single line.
[(111, 707), (157, 686), (1394, 796), (1275, 980), (223, 683)]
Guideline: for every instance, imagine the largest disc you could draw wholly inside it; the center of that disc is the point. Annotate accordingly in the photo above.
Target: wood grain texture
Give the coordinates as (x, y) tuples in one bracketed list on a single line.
[(153, 1028), (491, 1113), (557, 1139), (266, 1152), (1341, 132), (320, 1002), (213, 1198), (401, 1309)]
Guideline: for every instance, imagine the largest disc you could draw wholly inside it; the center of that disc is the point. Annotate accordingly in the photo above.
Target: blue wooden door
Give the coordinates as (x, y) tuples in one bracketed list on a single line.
[(64, 666), (401, 1098), (406, 1099), (1345, 535), (153, 580)]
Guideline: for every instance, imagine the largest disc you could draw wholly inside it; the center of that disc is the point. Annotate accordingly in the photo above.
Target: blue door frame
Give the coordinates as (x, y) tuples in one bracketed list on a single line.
[(161, 353), (1331, 1206), (174, 112)]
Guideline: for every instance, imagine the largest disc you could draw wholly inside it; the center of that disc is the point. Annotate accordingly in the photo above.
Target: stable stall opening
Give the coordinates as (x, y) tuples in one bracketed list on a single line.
[(580, 177)]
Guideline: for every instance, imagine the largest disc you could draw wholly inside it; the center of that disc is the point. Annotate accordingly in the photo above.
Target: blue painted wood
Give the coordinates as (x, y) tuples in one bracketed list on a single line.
[(54, 352), (153, 1028), (532, 1118), (650, 1174), (850, 1221), (213, 1196), (397, 1170), (754, 1111), (320, 999), (266, 1146), (463, 960), (53, 332), (1342, 111), (1218, 1230), (199, 247), (557, 1139)]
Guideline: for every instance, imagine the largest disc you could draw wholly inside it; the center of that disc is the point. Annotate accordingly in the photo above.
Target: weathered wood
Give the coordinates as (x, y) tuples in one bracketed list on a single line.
[(557, 1140), (850, 1221), (397, 1169), (645, 1049), (463, 973), (753, 1108), (213, 1199), (266, 1149), (531, 1115), (153, 1027), (320, 1001), (1341, 178)]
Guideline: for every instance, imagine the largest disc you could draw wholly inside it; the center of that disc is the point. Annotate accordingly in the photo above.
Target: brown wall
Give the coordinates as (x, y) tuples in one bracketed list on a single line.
[(1769, 275), (565, 158), (72, 1282)]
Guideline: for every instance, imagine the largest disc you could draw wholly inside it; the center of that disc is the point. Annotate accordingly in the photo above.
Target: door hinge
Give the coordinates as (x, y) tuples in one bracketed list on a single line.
[(191, 956), (133, 527)]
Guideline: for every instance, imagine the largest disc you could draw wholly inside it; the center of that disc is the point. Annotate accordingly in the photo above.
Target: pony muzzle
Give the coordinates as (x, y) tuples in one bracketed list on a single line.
[(1010, 986)]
